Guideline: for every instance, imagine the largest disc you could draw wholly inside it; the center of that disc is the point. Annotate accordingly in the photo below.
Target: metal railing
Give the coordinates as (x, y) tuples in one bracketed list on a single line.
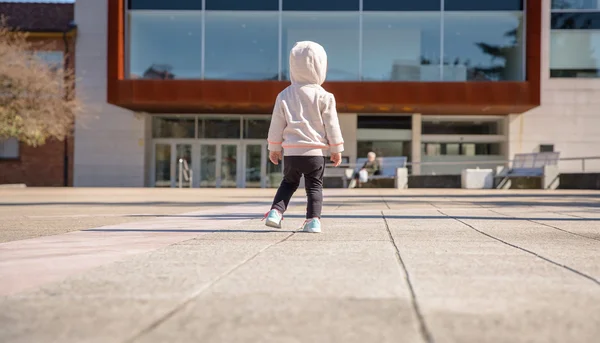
[(185, 173)]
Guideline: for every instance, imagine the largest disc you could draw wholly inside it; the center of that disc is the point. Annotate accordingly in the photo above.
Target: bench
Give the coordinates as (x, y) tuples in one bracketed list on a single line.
[(391, 168), (542, 166)]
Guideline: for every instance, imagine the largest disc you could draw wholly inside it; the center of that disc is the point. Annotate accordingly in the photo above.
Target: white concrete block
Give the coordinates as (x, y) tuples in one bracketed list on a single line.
[(477, 178)]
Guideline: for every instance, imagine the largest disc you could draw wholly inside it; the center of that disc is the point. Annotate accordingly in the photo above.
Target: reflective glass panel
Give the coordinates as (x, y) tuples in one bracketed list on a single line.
[(184, 151), (575, 21), (337, 32), (229, 166), (321, 5), (165, 5), (241, 45), (165, 44), (256, 128), (243, 5), (483, 46), (575, 53), (483, 5), (166, 127), (162, 165), (401, 46), (253, 165), (219, 128), (401, 5), (208, 166), (575, 4)]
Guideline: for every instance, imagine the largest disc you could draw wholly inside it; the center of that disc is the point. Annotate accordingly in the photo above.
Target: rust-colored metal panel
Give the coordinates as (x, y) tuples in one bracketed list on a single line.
[(221, 96), (534, 49), (115, 46)]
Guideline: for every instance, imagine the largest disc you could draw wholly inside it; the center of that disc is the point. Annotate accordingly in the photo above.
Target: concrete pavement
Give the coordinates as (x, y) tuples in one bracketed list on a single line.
[(390, 266)]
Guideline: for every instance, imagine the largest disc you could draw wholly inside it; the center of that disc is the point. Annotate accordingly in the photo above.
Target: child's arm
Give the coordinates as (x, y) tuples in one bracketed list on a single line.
[(332, 125), (278, 124)]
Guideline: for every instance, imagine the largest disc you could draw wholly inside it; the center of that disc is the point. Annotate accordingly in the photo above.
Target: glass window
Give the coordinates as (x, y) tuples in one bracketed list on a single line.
[(165, 5), (337, 32), (483, 46), (460, 149), (401, 5), (243, 5), (256, 128), (460, 128), (184, 151), (321, 5), (165, 44), (384, 122), (253, 165), (575, 21), (219, 128), (401, 46), (53, 58), (9, 148), (575, 53), (165, 127), (483, 5), (228, 166), (162, 165), (575, 4), (208, 166), (383, 148), (241, 45)]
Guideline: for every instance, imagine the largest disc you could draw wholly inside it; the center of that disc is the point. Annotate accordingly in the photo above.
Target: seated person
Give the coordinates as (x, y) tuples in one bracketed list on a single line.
[(371, 166)]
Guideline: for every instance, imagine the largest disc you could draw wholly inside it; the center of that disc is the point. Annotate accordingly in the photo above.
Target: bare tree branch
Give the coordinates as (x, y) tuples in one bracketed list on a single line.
[(37, 100)]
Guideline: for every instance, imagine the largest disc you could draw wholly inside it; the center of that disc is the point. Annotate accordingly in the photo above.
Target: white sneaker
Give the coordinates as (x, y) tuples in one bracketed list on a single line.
[(273, 219), (312, 225)]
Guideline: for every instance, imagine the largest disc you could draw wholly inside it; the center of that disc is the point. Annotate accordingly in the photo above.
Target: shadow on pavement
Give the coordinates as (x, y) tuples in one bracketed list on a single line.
[(192, 231), (359, 216)]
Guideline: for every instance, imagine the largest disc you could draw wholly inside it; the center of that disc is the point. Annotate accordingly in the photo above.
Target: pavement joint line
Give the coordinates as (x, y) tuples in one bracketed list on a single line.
[(201, 290), (547, 225), (385, 201), (591, 278), (425, 333)]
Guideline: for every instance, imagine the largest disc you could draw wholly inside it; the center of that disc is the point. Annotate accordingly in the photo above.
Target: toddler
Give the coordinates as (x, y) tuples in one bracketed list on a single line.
[(305, 127)]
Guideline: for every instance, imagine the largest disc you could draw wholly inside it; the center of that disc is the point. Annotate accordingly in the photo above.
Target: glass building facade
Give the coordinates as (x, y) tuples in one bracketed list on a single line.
[(575, 39), (366, 40)]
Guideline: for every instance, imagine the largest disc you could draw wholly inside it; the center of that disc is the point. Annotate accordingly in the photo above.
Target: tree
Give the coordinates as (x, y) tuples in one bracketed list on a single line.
[(37, 100)]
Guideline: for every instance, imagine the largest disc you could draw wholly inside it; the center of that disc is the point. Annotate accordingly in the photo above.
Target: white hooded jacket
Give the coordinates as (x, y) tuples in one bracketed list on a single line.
[(305, 121)]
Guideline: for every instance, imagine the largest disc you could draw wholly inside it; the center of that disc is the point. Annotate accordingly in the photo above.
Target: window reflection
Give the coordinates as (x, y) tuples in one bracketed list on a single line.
[(575, 4), (165, 44), (575, 53), (169, 127), (219, 128), (401, 46), (337, 32), (256, 128), (491, 52), (241, 45)]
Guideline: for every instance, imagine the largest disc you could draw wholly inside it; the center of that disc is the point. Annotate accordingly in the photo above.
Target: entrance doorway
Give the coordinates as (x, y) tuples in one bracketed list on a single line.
[(225, 151), (214, 164)]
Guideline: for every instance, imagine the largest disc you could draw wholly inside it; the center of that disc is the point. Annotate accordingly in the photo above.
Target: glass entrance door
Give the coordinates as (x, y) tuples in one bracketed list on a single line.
[(214, 164), (228, 176), (208, 165), (254, 166)]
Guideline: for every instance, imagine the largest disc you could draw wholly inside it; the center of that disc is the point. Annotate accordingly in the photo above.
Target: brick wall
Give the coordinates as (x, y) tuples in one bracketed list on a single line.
[(37, 167)]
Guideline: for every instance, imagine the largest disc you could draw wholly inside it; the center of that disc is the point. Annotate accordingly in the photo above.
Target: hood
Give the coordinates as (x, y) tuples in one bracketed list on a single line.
[(308, 63)]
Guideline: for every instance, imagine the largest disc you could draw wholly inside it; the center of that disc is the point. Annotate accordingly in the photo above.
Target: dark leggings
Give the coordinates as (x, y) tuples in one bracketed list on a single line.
[(312, 167)]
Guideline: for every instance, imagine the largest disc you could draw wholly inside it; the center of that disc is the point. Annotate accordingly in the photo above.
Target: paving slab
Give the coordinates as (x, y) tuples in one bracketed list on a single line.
[(151, 265)]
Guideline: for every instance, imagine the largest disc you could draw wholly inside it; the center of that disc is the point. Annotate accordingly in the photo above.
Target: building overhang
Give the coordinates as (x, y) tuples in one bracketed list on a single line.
[(222, 96)]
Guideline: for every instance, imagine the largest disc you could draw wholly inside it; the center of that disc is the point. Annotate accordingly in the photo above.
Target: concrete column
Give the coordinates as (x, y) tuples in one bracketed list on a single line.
[(416, 143)]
